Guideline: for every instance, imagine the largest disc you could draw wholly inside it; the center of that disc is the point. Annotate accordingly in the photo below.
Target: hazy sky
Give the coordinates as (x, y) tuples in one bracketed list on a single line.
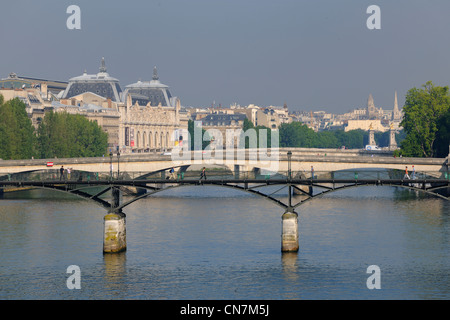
[(310, 54)]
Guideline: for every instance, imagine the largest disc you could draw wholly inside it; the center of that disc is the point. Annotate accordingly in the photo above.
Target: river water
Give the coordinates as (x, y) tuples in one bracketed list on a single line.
[(206, 242)]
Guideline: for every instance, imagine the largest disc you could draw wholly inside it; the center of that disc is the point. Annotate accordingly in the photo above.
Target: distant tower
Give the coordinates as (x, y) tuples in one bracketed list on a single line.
[(392, 141), (371, 136), (371, 110), (396, 114)]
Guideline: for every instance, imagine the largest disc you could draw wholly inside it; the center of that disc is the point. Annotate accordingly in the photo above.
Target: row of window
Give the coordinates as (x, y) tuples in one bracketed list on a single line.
[(158, 140)]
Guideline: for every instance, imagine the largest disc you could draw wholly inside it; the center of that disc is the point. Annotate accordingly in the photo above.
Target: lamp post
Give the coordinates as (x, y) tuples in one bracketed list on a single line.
[(110, 163), (118, 163), (289, 155)]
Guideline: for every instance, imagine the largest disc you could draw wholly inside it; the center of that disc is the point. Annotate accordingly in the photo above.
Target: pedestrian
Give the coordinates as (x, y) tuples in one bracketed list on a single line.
[(406, 173), (413, 175), (312, 172), (203, 174), (61, 173), (171, 174), (69, 170)]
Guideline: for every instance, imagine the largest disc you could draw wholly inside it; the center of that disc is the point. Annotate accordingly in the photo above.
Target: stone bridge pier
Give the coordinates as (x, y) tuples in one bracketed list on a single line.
[(289, 231), (115, 235)]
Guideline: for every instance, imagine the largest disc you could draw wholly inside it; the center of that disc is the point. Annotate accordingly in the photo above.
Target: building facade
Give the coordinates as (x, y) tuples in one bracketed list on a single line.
[(143, 118)]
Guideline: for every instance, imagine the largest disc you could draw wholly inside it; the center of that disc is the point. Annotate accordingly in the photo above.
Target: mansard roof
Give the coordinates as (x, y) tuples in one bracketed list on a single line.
[(154, 91), (101, 83)]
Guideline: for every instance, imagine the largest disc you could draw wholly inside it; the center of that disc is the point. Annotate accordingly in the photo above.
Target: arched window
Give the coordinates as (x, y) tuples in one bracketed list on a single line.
[(138, 140), (150, 140), (144, 140)]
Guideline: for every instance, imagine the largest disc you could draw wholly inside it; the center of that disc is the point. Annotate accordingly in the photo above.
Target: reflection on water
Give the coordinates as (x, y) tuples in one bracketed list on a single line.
[(217, 243)]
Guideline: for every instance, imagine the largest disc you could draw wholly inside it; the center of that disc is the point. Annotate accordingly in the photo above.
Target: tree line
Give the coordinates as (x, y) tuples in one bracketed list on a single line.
[(296, 134), (59, 134), (299, 135), (426, 121)]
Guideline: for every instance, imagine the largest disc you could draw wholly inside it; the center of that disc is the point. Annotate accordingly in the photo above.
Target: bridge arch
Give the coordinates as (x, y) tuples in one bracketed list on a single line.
[(428, 191), (235, 187), (79, 187), (253, 190)]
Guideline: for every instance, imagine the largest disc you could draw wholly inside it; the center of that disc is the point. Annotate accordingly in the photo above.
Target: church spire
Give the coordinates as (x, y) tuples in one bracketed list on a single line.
[(395, 103), (155, 73), (370, 102), (395, 112), (103, 67)]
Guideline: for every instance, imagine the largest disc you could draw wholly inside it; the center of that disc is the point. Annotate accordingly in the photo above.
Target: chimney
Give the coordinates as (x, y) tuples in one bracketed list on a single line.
[(44, 89)]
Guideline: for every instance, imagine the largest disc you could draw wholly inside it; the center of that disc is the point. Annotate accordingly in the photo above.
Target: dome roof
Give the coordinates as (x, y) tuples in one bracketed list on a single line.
[(155, 92), (101, 83)]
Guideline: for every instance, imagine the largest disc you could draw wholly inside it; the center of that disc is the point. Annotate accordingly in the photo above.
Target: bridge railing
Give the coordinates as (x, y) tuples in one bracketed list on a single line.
[(220, 174)]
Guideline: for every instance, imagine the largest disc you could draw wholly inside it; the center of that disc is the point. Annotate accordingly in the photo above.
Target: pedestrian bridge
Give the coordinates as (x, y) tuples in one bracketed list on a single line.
[(299, 177)]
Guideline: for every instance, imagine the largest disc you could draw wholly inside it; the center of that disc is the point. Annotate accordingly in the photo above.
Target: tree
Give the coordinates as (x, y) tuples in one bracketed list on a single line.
[(204, 136), (260, 132), (353, 139), (326, 139), (423, 108), (66, 135), (296, 134), (17, 136), (442, 143)]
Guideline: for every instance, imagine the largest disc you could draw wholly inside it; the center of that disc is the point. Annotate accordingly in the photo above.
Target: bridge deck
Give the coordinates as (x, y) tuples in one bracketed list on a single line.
[(94, 186)]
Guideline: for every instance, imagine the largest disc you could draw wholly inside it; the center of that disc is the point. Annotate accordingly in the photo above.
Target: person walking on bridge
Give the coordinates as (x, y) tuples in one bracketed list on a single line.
[(406, 173), (61, 173), (172, 174), (203, 174)]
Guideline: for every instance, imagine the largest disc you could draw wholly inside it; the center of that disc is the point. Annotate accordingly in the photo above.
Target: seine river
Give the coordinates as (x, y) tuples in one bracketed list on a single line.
[(204, 243)]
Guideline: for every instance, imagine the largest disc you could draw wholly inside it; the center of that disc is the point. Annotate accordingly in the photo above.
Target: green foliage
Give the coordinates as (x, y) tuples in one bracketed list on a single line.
[(354, 139), (65, 135), (205, 138), (422, 112), (398, 153), (298, 135), (17, 138), (442, 143), (259, 133), (59, 134)]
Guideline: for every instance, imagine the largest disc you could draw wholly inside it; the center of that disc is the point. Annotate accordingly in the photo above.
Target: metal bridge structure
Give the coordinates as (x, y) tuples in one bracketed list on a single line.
[(288, 189)]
